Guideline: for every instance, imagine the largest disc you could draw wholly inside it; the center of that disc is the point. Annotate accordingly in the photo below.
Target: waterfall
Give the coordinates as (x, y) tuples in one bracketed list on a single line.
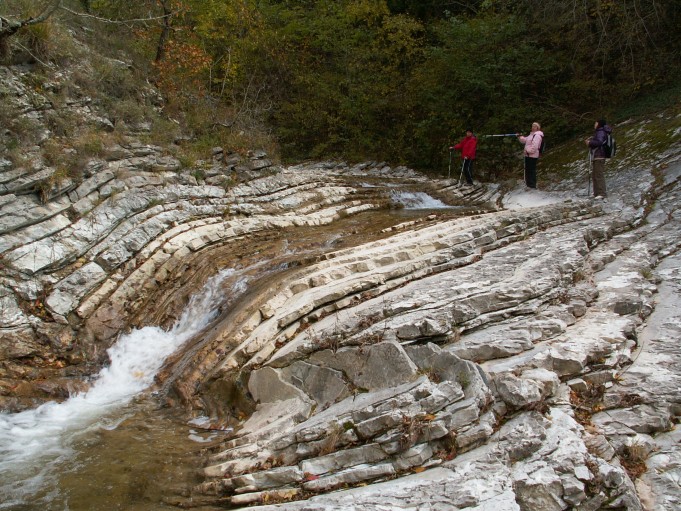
[(34, 442), (417, 200)]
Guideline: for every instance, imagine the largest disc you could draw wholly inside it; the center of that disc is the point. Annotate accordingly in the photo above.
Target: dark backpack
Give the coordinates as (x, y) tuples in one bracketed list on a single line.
[(609, 146), (542, 146)]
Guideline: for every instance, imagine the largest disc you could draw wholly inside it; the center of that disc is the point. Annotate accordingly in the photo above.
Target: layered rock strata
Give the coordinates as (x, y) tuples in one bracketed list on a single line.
[(521, 357), (74, 270), (508, 363)]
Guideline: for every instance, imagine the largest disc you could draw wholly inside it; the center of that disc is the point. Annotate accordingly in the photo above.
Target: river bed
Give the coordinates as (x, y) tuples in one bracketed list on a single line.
[(117, 445)]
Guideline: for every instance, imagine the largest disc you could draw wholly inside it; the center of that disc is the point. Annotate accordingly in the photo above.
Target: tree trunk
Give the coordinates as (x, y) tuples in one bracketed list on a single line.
[(161, 47)]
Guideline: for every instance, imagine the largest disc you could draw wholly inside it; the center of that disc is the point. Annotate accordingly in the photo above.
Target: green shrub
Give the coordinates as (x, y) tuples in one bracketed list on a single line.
[(47, 186), (62, 122), (38, 39), (70, 160), (90, 144), (127, 110), (199, 174), (164, 132)]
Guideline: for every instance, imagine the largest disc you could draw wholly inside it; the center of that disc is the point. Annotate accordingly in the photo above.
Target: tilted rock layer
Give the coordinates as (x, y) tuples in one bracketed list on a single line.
[(501, 348), (521, 356)]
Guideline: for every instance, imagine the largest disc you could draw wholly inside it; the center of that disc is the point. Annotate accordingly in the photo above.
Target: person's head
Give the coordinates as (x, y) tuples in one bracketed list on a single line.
[(600, 123), (536, 126), (469, 132)]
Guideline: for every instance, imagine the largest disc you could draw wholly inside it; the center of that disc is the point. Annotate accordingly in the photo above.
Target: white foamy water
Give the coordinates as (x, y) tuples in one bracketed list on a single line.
[(34, 442), (417, 200)]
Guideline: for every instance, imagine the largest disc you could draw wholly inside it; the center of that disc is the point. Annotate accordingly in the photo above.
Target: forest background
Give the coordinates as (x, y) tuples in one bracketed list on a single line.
[(391, 80)]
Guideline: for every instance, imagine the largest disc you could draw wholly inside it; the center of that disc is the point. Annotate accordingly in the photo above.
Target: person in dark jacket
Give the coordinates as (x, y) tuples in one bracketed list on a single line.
[(467, 147), (597, 156)]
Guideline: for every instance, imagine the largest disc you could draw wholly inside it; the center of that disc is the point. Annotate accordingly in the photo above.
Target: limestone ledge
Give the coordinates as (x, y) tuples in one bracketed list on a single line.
[(549, 317), (97, 250), (532, 459)]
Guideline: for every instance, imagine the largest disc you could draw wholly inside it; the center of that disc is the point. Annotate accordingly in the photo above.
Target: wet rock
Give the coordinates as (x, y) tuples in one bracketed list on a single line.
[(18, 343), (61, 337), (264, 496)]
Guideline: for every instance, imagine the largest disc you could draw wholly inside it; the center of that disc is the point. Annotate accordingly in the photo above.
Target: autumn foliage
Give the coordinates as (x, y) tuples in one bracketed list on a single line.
[(395, 80), (183, 71)]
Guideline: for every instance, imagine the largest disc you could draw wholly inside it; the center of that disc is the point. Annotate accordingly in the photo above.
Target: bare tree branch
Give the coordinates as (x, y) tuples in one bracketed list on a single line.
[(46, 64), (9, 27), (118, 22)]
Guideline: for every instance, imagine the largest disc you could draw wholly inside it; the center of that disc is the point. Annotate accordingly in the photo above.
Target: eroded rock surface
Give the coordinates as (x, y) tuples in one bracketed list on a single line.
[(521, 356), (523, 343)]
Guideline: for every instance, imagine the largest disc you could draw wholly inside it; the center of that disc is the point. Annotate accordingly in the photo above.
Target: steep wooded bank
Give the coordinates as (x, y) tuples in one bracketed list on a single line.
[(394, 80)]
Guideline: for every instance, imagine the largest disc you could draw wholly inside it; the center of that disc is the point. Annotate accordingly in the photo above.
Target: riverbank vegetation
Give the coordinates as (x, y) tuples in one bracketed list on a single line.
[(396, 80)]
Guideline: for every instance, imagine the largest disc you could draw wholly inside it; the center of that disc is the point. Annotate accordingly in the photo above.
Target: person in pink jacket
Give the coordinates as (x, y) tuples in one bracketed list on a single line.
[(532, 144)]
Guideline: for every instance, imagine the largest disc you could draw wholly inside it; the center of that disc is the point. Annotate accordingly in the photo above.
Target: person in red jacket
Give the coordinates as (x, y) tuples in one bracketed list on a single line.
[(467, 147)]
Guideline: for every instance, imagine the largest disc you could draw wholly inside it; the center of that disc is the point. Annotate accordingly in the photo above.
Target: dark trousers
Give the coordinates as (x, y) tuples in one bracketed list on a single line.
[(531, 172), (468, 170), (598, 177)]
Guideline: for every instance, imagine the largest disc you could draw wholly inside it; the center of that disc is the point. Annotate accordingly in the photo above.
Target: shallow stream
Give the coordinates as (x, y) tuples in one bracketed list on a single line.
[(117, 446)]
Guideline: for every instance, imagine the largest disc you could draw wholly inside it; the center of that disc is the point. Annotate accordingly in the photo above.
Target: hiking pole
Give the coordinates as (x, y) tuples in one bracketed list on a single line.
[(590, 176), (462, 167), (449, 173)]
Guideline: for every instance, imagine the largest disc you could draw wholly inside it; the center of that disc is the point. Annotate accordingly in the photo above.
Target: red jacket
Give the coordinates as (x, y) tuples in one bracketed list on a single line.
[(467, 147)]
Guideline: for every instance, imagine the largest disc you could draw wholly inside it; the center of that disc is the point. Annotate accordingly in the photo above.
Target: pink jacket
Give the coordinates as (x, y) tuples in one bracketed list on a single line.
[(532, 143)]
